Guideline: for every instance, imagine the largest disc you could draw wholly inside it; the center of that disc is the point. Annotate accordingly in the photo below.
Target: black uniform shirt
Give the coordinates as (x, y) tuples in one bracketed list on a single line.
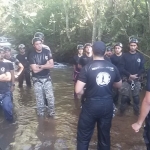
[(23, 59), (116, 60), (85, 60), (132, 64), (40, 59), (76, 62), (99, 76), (4, 86), (9, 63)]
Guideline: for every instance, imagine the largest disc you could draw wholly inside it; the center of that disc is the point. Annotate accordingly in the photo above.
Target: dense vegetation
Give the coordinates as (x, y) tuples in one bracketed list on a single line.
[(67, 23)]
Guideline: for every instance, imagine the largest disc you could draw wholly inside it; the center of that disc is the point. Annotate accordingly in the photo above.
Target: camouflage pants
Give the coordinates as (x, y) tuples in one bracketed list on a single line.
[(126, 89), (43, 89)]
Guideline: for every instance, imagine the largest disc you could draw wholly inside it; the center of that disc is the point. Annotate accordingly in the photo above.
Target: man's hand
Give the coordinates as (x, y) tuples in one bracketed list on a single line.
[(136, 127), (133, 77)]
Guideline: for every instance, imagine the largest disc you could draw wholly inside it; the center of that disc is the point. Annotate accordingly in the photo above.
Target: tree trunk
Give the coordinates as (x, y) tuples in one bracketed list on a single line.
[(67, 20), (94, 22), (148, 4)]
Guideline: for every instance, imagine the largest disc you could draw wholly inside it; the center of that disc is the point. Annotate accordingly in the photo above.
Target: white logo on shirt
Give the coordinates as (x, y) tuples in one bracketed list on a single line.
[(139, 60), (103, 78), (3, 69), (25, 57), (46, 57)]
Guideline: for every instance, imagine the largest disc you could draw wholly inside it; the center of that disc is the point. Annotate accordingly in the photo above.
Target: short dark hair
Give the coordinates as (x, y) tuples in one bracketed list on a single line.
[(99, 48), (35, 39)]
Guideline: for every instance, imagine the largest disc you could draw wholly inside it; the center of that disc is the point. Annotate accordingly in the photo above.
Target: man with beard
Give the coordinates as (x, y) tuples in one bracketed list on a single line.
[(132, 67)]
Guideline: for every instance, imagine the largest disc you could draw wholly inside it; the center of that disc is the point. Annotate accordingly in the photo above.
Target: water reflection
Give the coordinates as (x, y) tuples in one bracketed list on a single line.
[(30, 132)]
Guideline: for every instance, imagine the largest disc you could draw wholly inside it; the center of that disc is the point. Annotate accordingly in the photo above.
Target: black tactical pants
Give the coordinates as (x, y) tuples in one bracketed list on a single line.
[(25, 75), (95, 111)]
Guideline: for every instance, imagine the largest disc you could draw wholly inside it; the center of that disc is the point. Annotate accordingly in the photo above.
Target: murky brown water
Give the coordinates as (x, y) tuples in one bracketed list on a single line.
[(30, 132)]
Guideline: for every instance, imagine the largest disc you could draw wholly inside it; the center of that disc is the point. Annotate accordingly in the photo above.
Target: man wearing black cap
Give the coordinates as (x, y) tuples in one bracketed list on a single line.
[(132, 66), (23, 58), (99, 76), (75, 64), (41, 62), (116, 60)]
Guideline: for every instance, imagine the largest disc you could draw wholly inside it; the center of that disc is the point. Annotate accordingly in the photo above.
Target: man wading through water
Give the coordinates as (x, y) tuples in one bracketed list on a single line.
[(75, 65), (41, 61), (23, 58), (145, 113), (99, 76), (132, 67)]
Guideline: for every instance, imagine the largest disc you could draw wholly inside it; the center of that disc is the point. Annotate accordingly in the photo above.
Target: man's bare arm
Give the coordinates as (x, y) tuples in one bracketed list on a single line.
[(5, 77)]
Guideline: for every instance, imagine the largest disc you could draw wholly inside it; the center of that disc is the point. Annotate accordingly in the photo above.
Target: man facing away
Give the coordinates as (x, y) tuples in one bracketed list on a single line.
[(40, 62), (99, 76)]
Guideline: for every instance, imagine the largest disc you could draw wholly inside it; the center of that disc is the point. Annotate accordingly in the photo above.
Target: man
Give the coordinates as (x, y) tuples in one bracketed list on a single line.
[(145, 115), (116, 60), (87, 57), (40, 62), (41, 36), (23, 59), (18, 67), (132, 66), (5, 94), (99, 76), (109, 52), (75, 64)]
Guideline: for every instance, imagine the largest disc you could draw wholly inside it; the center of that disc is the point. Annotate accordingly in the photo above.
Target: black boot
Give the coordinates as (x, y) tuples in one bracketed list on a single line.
[(136, 102), (123, 104)]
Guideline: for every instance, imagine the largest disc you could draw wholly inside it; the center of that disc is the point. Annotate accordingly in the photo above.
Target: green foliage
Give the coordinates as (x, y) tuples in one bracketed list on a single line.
[(67, 23)]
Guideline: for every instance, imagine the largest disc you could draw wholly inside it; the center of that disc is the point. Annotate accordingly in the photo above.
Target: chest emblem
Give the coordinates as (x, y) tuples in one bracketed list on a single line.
[(103, 79), (25, 58), (46, 57), (139, 60), (3, 69)]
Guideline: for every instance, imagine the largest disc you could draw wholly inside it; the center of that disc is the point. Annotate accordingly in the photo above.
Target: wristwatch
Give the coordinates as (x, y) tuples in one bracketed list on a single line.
[(39, 67)]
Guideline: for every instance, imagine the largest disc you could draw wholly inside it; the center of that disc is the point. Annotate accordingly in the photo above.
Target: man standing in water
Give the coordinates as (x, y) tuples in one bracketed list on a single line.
[(5, 94), (99, 76), (87, 57), (145, 113), (75, 64), (116, 60), (40, 62), (23, 58), (18, 67), (132, 66)]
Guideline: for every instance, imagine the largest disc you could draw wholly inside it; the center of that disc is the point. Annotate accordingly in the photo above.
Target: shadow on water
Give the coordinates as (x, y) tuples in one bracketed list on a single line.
[(36, 133)]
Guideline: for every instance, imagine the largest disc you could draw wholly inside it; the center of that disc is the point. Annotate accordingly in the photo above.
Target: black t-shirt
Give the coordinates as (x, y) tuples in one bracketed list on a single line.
[(84, 60), (116, 60), (76, 62), (14, 61), (40, 59), (132, 64), (23, 59), (99, 76), (9, 63), (4, 86)]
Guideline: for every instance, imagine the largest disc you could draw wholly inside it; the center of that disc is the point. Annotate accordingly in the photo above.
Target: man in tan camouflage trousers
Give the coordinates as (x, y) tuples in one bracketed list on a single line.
[(41, 61)]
